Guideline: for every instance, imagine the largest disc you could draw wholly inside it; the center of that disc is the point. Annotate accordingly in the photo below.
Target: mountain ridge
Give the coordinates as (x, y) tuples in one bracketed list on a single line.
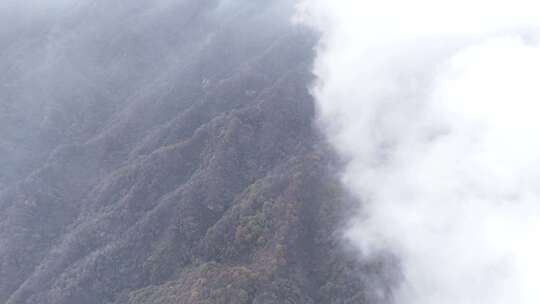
[(207, 184)]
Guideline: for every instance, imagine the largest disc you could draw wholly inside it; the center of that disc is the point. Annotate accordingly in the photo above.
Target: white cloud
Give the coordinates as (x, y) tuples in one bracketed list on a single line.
[(435, 105)]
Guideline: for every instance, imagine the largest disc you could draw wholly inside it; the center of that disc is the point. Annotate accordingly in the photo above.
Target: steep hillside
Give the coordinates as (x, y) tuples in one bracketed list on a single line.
[(166, 153)]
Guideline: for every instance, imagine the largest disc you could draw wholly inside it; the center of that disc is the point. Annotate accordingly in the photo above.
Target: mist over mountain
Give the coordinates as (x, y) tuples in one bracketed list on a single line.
[(166, 152), (269, 152)]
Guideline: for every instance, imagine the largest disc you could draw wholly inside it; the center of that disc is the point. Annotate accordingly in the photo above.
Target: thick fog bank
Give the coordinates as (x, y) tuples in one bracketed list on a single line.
[(434, 106)]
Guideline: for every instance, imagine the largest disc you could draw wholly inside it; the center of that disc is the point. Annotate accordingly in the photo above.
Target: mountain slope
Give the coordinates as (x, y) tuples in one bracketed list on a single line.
[(173, 159)]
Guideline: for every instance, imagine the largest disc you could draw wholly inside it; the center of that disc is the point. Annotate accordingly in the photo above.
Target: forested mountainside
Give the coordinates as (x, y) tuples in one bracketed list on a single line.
[(159, 152)]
